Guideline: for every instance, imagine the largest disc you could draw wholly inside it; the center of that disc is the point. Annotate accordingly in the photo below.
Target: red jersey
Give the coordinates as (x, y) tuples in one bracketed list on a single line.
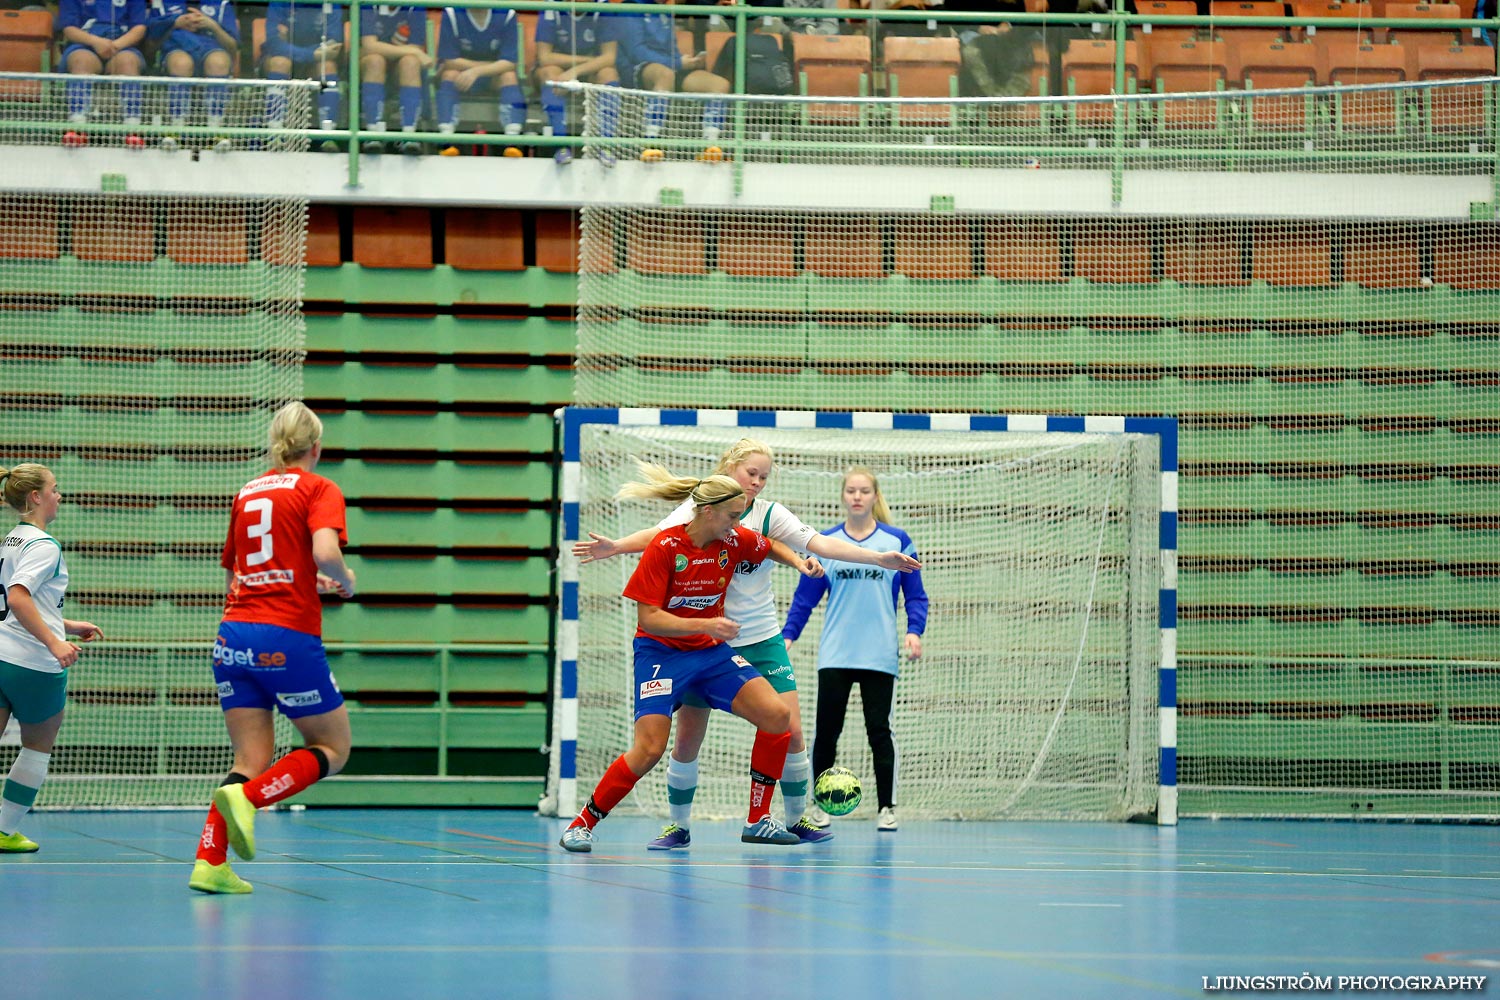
[(269, 549), (690, 582)]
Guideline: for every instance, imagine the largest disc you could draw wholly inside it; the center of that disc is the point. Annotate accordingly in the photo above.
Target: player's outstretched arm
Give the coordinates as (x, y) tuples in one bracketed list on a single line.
[(788, 556), (836, 548), (599, 548)]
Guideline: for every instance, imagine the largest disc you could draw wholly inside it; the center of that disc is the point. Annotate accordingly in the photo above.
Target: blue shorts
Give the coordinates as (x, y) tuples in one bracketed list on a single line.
[(631, 77), (663, 675), (200, 47), (75, 47), (267, 666)]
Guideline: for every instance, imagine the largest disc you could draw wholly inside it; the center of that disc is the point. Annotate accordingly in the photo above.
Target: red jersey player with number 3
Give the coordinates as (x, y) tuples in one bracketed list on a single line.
[(285, 546), (681, 647)]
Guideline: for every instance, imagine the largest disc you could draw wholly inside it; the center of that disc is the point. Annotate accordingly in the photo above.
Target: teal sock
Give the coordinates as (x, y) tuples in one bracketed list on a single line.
[(794, 781), (682, 785), (25, 780)]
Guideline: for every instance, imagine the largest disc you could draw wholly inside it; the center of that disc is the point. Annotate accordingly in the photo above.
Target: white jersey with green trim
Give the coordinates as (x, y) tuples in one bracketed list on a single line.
[(32, 558), (750, 600)]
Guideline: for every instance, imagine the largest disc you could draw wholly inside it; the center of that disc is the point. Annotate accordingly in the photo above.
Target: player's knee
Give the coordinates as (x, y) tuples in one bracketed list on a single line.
[(216, 63), (125, 64), (180, 64), (372, 68), (278, 64), (776, 718)]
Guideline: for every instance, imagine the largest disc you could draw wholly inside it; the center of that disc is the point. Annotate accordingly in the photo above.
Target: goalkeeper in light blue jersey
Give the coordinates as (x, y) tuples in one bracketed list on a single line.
[(859, 642)]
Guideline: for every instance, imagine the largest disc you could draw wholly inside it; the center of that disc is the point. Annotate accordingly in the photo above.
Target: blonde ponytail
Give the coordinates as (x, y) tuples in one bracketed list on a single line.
[(294, 431), (657, 483), (19, 482)]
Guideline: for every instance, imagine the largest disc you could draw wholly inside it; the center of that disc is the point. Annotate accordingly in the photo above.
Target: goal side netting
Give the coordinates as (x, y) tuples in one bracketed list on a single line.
[(149, 332), (1037, 692)]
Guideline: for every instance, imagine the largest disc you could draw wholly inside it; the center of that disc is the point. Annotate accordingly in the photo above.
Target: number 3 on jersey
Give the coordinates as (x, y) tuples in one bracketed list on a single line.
[(261, 530)]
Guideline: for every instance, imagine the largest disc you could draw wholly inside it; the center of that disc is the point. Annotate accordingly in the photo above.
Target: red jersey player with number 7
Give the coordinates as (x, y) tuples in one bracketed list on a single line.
[(681, 648), (285, 546)]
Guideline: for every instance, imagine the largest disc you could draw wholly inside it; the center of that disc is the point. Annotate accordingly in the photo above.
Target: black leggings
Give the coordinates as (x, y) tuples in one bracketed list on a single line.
[(877, 690)]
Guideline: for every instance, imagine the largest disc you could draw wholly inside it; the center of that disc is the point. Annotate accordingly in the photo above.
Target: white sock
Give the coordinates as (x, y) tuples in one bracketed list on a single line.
[(682, 785), (794, 780), (25, 780)]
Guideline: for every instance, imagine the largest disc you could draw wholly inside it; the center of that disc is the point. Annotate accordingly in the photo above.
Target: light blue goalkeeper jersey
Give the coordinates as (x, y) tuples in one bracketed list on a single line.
[(859, 626)]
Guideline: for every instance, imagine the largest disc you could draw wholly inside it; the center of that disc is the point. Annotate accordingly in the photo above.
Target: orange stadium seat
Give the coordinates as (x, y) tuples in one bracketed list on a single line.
[(1273, 66), (1088, 67), (1291, 255), (934, 249), (1234, 35), (212, 235), (1348, 62), (1025, 250), (393, 237), (484, 239), (1112, 251), (845, 248), (28, 227), (1356, 13), (755, 247), (918, 66), (1203, 253), (1165, 34), (119, 230), (1459, 110), (25, 47), (321, 248), (1382, 257), (836, 66), (713, 44), (257, 40), (1188, 67), (557, 243), (667, 243), (1466, 260), (1434, 12)]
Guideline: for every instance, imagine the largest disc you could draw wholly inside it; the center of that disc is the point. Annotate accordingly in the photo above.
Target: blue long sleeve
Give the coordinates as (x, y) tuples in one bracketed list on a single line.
[(809, 592)]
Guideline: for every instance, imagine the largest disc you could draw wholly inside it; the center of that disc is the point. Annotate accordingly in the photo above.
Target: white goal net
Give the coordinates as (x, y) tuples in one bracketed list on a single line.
[(1037, 692)]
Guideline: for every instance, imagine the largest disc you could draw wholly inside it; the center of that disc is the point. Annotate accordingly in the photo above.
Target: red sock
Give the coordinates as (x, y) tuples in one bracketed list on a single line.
[(767, 758), (212, 844), (614, 786), (286, 777)]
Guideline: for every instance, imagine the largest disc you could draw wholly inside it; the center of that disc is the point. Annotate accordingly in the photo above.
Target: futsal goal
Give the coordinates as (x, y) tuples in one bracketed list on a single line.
[(1045, 689)]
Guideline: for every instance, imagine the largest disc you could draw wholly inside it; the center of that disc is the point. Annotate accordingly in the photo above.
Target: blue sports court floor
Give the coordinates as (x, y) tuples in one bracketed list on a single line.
[(372, 904)]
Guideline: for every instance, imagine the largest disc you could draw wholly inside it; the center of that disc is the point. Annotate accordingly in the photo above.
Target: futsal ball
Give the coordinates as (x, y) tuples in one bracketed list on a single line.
[(837, 791)]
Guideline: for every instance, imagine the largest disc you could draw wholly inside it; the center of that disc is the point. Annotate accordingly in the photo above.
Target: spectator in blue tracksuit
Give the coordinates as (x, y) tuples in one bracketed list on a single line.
[(570, 47), (99, 37), (196, 39), (387, 36), (306, 42), (647, 57), (480, 44)]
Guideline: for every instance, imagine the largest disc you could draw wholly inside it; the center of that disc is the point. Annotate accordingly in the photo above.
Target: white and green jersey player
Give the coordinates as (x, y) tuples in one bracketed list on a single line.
[(35, 653), (749, 602)]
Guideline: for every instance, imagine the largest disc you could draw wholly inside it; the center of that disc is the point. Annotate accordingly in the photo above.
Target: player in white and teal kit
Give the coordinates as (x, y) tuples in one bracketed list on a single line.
[(35, 653), (751, 603)]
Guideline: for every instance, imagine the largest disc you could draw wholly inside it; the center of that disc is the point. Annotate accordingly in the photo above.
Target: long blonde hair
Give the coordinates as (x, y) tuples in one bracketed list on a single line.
[(881, 512), (738, 453), (294, 431), (19, 482), (657, 483)]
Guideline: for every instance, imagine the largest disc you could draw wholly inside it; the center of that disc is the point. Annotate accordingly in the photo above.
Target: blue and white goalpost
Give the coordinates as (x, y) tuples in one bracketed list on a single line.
[(1047, 687)]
